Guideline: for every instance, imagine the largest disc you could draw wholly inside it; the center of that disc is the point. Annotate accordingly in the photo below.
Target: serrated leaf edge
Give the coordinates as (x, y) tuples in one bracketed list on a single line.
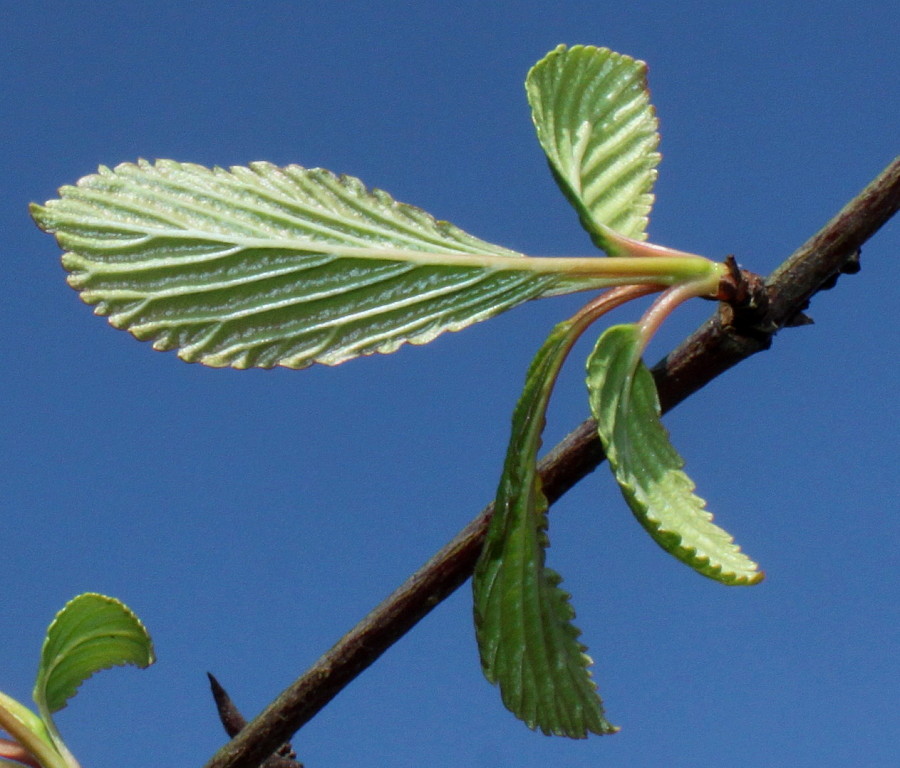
[(669, 538), (47, 668), (567, 158)]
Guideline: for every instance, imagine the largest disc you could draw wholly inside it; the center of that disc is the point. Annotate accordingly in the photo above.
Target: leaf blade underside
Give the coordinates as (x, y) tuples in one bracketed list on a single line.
[(591, 109), (262, 266), (625, 404), (523, 620), (92, 632)]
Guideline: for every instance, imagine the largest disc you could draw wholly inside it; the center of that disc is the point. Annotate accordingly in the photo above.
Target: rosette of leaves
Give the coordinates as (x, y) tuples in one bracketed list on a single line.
[(262, 266), (92, 632)]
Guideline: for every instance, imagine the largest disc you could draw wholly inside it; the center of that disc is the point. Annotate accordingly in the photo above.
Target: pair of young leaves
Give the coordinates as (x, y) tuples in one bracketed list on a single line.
[(263, 266), (92, 632)]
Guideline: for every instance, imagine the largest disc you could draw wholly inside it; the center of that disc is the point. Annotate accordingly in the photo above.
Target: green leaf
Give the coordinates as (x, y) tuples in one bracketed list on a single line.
[(264, 266), (92, 632), (591, 108), (527, 642), (648, 469)]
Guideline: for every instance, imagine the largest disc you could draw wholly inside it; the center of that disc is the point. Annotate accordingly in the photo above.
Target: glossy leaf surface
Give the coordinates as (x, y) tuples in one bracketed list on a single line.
[(591, 108), (523, 619), (264, 266), (648, 468), (92, 632)]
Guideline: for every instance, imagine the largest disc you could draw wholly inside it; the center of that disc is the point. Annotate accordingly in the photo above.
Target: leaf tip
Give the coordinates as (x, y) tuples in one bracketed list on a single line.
[(757, 578), (38, 214)]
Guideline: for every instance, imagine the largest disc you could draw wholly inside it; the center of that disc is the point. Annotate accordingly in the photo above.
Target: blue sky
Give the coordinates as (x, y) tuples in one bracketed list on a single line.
[(251, 518)]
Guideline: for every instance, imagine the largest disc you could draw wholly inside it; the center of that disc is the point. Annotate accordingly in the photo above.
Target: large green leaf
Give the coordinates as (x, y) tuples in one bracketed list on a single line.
[(92, 632), (523, 620), (265, 266), (591, 108), (648, 468)]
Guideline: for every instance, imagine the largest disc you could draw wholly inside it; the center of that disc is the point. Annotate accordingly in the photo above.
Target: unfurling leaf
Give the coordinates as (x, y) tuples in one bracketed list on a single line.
[(591, 108), (648, 469), (523, 620), (92, 632), (264, 266)]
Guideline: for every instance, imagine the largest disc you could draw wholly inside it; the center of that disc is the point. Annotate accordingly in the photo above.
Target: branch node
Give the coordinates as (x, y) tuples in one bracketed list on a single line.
[(745, 304), (853, 264)]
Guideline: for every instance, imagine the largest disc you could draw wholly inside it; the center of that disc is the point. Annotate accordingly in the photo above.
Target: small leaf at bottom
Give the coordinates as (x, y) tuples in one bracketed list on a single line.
[(527, 642)]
